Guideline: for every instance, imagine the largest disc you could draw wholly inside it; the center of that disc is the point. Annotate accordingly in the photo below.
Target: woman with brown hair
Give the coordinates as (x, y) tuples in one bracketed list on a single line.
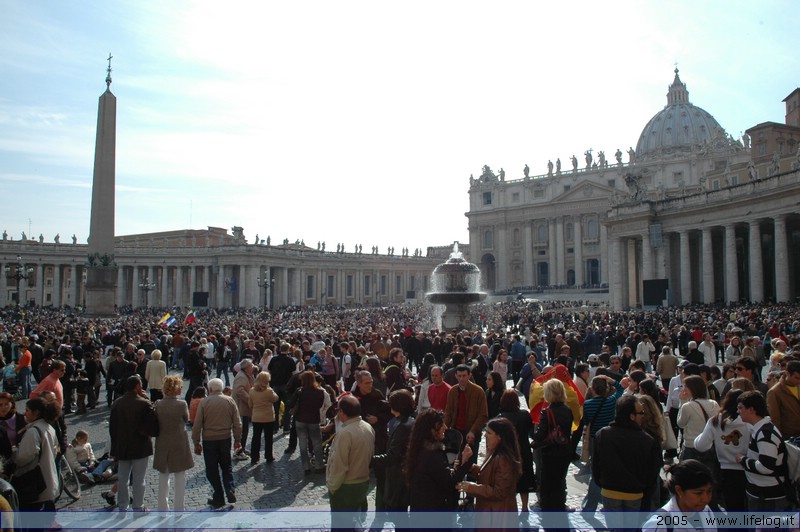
[(262, 401), (307, 402), (510, 410)]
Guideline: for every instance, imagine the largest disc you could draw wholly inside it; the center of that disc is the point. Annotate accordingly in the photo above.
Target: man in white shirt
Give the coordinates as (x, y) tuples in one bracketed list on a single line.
[(709, 350)]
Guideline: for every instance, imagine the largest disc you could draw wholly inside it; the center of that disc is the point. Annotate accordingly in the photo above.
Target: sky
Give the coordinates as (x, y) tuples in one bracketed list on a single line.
[(357, 122)]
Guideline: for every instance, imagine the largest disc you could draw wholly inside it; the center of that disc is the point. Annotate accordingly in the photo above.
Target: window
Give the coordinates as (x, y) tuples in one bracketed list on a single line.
[(567, 187), (412, 283), (612, 183), (516, 237), (570, 232), (542, 252), (309, 287), (384, 282), (349, 287), (488, 239), (331, 290), (487, 198), (398, 284), (591, 229), (715, 184), (734, 180), (541, 234), (538, 193), (762, 148), (515, 197), (367, 284)]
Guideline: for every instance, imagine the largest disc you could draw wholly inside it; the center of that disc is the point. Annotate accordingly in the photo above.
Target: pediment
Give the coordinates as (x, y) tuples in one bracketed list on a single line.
[(585, 191)]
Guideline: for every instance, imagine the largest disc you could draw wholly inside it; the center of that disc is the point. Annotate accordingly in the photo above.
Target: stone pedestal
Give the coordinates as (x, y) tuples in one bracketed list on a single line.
[(101, 289)]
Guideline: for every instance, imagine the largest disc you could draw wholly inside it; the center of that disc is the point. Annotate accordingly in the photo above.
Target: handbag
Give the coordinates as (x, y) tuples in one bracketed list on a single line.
[(586, 438), (555, 436), (30, 484), (670, 441)]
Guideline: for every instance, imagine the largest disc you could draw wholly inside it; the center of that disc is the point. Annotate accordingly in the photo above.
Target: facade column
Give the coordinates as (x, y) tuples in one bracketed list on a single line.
[(38, 291), (756, 265), (502, 259), (243, 288), (647, 257), (615, 258), (120, 286), (152, 295), (57, 285), (73, 285), (551, 251), (686, 269), (560, 270), (179, 302), (527, 254), (708, 266), (604, 264), (578, 237), (632, 272), (781, 260), (137, 292), (731, 266)]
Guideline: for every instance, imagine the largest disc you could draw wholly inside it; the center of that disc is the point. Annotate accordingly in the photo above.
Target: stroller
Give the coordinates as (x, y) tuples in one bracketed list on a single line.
[(452, 447), (10, 381)]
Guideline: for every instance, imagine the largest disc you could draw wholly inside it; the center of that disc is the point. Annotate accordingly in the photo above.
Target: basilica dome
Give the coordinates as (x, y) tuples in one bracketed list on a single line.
[(678, 127)]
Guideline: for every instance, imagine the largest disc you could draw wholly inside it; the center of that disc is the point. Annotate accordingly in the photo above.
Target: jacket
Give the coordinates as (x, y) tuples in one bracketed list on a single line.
[(261, 403), (784, 409), (496, 494), (241, 392), (433, 483), (32, 444), (350, 454), (154, 374), (395, 494), (625, 458), (563, 417), (172, 454), (217, 417), (477, 409), (127, 427)]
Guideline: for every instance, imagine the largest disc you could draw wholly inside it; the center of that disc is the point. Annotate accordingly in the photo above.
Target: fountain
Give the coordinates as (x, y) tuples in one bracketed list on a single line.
[(456, 285)]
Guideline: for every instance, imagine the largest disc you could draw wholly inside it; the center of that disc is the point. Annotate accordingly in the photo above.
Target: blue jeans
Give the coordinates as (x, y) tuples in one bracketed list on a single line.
[(135, 470), (24, 378), (101, 467), (306, 432), (617, 516), (217, 456)]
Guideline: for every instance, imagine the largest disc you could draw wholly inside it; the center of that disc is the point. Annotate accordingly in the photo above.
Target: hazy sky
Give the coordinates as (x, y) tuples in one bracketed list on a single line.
[(354, 122)]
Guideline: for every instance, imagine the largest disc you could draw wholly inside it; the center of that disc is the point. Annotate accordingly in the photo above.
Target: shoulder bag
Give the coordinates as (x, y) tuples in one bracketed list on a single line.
[(30, 484)]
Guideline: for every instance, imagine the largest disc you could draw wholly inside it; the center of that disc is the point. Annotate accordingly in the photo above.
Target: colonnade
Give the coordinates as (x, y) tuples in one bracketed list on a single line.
[(750, 259)]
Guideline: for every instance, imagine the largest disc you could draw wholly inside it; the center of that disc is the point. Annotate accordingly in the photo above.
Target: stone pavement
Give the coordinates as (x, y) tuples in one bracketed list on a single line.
[(279, 485)]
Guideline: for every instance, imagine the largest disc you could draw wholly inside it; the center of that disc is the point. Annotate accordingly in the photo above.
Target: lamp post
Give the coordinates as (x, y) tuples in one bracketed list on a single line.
[(18, 272), (145, 286), (266, 283)]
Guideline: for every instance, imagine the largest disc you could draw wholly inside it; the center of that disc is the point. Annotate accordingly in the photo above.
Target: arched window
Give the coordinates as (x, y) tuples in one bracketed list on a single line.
[(488, 239), (541, 233), (591, 229)]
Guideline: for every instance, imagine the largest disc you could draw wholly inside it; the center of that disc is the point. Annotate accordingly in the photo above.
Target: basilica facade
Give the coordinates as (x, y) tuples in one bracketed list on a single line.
[(690, 215)]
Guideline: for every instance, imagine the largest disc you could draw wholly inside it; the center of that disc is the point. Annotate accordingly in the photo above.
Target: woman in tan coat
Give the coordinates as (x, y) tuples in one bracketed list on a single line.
[(496, 490), (262, 401), (173, 454)]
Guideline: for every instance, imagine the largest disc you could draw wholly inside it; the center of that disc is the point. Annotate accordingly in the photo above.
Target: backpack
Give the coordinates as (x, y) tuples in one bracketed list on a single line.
[(555, 436)]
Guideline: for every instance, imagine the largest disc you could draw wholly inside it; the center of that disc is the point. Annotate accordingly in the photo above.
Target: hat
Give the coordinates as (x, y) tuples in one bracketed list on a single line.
[(245, 363), (684, 364), (592, 358)]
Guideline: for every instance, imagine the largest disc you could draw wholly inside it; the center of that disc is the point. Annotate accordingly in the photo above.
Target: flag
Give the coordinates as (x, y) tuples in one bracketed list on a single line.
[(171, 321), (190, 318), (574, 397), (163, 320)]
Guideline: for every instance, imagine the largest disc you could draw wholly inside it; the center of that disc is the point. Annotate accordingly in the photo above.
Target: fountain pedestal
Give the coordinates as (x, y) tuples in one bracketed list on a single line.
[(456, 286)]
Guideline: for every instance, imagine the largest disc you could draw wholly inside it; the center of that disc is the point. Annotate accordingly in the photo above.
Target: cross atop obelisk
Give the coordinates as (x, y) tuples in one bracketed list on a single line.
[(108, 71)]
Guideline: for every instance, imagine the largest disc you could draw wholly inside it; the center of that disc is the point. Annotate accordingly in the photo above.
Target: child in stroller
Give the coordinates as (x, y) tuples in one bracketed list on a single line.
[(10, 381)]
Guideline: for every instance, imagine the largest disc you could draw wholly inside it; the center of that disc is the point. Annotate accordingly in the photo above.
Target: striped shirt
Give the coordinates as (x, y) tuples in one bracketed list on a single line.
[(607, 411), (764, 464)]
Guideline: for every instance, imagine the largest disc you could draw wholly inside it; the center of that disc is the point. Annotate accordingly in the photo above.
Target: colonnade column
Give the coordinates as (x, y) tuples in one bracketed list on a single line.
[(502, 260), (708, 266), (120, 286), (136, 300), (164, 286), (781, 260), (56, 285), (73, 285), (219, 299), (527, 241), (150, 300), (3, 288), (578, 252), (756, 265), (192, 283), (243, 286), (686, 268), (179, 286), (731, 265)]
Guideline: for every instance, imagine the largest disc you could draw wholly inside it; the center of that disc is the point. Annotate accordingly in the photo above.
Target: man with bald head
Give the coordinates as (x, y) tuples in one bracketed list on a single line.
[(347, 473)]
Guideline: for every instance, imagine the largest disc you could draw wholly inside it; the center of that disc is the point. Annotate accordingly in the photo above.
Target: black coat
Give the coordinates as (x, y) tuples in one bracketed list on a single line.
[(395, 495), (625, 458), (128, 427), (434, 483), (563, 417)]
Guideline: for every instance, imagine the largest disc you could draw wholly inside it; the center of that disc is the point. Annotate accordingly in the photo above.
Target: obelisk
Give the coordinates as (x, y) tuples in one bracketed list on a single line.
[(101, 275)]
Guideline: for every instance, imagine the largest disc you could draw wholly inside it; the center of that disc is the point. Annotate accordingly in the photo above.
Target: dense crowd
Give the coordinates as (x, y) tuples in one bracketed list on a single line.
[(687, 394)]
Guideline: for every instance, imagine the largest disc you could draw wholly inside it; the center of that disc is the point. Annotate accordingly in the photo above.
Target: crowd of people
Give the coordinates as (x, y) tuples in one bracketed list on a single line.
[(706, 392)]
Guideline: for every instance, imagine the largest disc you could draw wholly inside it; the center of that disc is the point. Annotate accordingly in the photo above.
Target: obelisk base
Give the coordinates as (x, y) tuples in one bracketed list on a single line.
[(101, 291)]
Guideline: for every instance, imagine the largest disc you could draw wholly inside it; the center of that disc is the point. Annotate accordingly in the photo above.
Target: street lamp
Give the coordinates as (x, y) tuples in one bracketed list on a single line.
[(20, 272), (265, 282), (146, 286)]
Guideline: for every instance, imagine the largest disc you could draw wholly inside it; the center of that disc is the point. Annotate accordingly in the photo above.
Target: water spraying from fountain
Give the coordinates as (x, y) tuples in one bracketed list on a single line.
[(456, 285)]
